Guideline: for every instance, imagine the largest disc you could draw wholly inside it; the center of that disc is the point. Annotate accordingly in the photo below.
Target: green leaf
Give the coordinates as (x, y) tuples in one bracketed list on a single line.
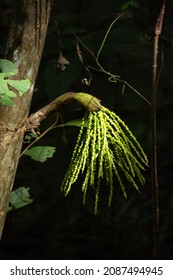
[(7, 68), (4, 99), (40, 153), (22, 86), (19, 198), (4, 90), (128, 4)]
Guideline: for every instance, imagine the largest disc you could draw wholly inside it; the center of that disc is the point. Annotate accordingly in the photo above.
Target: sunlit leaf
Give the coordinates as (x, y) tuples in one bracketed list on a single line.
[(7, 69), (22, 86), (6, 100)]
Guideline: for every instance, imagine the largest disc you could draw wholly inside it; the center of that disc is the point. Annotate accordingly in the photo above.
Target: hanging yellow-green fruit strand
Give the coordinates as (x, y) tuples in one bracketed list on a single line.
[(110, 118), (72, 175), (103, 132), (136, 166), (78, 162), (81, 158), (106, 170), (120, 149), (116, 166), (86, 183), (100, 138), (92, 159), (133, 160), (114, 126), (130, 162), (117, 173), (99, 141), (86, 140), (79, 138), (106, 156), (116, 123), (93, 149), (118, 146), (109, 159), (129, 170), (117, 137), (74, 168), (123, 153), (87, 179), (130, 137), (97, 196), (86, 151), (128, 176), (122, 165)]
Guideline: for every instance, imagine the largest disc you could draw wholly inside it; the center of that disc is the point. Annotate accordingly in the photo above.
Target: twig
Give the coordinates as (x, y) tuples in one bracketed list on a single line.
[(136, 91), (35, 119), (88, 101), (113, 78), (154, 171)]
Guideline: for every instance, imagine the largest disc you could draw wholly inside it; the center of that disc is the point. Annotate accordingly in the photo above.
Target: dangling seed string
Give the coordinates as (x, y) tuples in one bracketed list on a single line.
[(104, 149)]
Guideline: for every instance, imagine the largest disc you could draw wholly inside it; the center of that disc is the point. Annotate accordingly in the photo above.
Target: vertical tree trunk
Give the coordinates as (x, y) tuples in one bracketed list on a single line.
[(25, 45)]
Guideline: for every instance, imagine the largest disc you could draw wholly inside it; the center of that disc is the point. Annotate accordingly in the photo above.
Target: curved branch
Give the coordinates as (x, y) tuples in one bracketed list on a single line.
[(88, 101)]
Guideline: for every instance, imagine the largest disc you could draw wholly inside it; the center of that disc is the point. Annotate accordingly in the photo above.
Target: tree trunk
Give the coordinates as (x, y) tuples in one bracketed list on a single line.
[(25, 46)]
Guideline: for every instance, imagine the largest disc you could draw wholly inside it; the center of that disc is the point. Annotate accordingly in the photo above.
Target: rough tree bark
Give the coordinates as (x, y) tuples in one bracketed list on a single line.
[(25, 45)]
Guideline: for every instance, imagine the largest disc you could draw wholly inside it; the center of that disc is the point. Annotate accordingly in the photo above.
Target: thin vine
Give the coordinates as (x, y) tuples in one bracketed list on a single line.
[(111, 77)]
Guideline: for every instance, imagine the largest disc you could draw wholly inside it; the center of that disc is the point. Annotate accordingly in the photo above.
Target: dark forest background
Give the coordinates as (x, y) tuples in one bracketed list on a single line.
[(58, 227)]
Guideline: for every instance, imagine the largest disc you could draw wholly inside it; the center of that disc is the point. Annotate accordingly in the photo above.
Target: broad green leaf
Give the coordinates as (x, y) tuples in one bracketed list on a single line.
[(19, 198), (128, 4), (4, 89), (22, 86), (8, 68), (40, 153), (6, 100)]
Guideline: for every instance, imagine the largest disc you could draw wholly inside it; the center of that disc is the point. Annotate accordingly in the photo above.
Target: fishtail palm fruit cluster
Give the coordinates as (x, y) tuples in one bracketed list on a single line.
[(105, 149)]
